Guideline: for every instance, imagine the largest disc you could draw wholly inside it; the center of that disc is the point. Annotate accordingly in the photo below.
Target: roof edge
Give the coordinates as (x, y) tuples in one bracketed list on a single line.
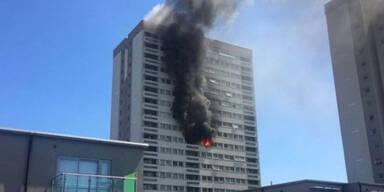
[(71, 137), (298, 182)]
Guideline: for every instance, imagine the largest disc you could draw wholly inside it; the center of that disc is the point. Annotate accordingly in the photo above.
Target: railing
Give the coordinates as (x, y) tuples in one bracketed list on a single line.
[(74, 182)]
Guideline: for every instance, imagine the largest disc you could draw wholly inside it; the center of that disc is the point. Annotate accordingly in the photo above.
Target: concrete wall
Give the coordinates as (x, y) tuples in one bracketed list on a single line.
[(349, 99), (359, 86), (13, 162), (137, 88), (115, 109), (44, 152)]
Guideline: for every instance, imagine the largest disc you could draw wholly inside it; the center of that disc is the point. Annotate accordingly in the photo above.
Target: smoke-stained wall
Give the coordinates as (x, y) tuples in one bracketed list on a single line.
[(182, 25)]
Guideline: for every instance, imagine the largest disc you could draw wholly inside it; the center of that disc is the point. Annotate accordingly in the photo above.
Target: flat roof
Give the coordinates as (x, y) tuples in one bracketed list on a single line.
[(308, 181), (295, 183), (71, 137), (143, 25)]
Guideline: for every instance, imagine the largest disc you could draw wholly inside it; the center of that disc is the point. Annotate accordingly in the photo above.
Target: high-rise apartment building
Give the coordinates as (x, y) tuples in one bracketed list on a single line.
[(141, 111), (356, 34)]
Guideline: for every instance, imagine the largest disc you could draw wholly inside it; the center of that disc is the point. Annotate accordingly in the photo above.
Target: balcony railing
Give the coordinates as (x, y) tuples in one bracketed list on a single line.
[(73, 182)]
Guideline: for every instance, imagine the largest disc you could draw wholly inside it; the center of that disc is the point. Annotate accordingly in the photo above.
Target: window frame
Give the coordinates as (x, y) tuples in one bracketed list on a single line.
[(78, 159)]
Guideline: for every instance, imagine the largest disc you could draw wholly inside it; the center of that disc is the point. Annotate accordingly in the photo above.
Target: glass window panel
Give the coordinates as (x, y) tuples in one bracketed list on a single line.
[(104, 167), (67, 166), (104, 184), (88, 167), (86, 182), (83, 166)]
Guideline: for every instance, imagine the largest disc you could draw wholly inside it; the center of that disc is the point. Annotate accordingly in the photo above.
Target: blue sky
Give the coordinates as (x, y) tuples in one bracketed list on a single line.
[(56, 72)]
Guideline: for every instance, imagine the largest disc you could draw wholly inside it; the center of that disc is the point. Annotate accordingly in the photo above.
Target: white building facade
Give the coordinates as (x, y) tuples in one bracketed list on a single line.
[(356, 33), (141, 112)]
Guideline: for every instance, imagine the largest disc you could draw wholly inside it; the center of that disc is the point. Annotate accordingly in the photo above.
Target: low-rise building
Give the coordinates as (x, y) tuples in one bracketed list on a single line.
[(320, 186), (43, 162)]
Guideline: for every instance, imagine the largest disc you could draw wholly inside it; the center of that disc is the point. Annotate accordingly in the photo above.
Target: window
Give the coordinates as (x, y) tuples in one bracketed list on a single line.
[(249, 138), (150, 174), (165, 114), (192, 165), (150, 89), (150, 124), (150, 100), (228, 157), (150, 161), (83, 166), (245, 59), (151, 56), (165, 103), (192, 177), (246, 88), (150, 78), (219, 179), (246, 78), (151, 149), (192, 153), (165, 187), (150, 136), (253, 182), (249, 128), (247, 97), (151, 45), (252, 160), (150, 186), (76, 165), (166, 81), (249, 118), (151, 67), (150, 112), (178, 188), (148, 34)]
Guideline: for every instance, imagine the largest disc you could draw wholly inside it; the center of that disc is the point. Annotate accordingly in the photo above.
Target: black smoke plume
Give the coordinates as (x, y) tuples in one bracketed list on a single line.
[(183, 26)]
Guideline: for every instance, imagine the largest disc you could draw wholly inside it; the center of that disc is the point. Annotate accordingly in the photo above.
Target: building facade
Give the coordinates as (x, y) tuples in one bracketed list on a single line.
[(317, 186), (141, 112), (44, 162), (356, 34)]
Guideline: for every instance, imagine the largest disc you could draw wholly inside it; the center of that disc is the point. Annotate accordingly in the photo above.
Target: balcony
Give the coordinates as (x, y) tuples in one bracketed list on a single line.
[(73, 182)]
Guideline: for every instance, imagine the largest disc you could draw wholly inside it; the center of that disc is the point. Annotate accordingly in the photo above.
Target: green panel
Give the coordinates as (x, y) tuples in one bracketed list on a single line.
[(130, 182)]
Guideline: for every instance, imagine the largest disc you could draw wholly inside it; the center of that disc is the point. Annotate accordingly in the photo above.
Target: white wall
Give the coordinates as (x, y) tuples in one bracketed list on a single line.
[(137, 88), (114, 131), (353, 127)]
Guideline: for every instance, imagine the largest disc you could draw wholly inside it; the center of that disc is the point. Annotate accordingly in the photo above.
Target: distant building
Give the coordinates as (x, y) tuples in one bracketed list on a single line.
[(356, 34), (319, 186), (141, 112), (43, 162)]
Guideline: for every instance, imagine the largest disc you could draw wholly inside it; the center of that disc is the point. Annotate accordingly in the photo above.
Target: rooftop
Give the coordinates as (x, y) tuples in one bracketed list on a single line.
[(318, 182), (71, 137)]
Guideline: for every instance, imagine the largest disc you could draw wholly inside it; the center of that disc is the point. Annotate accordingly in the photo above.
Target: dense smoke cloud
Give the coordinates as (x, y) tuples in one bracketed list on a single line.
[(183, 24)]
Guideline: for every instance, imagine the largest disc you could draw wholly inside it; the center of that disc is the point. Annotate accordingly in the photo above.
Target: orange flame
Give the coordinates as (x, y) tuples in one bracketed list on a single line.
[(206, 143)]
